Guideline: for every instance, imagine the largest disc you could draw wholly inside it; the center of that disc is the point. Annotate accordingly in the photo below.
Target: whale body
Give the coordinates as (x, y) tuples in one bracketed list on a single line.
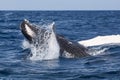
[(67, 47)]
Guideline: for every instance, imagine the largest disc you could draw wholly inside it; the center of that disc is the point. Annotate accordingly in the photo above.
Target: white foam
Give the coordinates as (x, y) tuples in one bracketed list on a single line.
[(53, 47), (25, 44), (101, 40), (95, 51), (49, 49)]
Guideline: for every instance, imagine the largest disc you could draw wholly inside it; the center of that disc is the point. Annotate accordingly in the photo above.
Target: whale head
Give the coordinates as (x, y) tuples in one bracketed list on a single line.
[(29, 30), (32, 31)]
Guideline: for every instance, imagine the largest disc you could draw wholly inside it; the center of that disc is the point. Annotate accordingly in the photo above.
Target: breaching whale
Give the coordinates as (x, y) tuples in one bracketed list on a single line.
[(67, 47)]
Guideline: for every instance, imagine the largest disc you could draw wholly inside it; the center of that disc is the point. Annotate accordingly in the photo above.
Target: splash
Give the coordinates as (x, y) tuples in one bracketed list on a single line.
[(101, 40), (25, 44), (45, 45), (99, 50)]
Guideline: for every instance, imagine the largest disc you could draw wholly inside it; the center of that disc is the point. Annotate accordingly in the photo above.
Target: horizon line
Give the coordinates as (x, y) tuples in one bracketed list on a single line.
[(59, 10)]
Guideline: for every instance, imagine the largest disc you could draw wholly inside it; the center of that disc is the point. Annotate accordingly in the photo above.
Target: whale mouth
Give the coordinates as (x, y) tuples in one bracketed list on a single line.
[(29, 30)]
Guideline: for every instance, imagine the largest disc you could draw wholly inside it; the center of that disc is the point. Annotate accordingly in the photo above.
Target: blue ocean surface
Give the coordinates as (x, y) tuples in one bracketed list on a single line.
[(74, 25)]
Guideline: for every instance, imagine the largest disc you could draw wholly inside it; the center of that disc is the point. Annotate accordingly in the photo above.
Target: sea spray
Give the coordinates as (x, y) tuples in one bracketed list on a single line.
[(98, 50), (25, 44), (45, 45)]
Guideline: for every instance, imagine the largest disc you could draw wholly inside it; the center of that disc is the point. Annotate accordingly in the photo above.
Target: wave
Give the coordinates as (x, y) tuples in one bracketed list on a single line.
[(101, 40)]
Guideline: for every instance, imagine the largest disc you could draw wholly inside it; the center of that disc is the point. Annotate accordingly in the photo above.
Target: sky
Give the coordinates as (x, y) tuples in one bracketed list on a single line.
[(59, 4)]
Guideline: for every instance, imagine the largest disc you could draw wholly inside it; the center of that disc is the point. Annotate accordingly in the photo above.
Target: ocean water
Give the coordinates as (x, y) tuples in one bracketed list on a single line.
[(97, 30)]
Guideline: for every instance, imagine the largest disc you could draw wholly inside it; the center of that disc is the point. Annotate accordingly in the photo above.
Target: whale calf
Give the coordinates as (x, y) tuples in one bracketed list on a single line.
[(67, 48)]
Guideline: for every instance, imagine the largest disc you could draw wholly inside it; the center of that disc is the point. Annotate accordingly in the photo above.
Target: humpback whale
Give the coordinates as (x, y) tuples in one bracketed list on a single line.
[(67, 47)]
